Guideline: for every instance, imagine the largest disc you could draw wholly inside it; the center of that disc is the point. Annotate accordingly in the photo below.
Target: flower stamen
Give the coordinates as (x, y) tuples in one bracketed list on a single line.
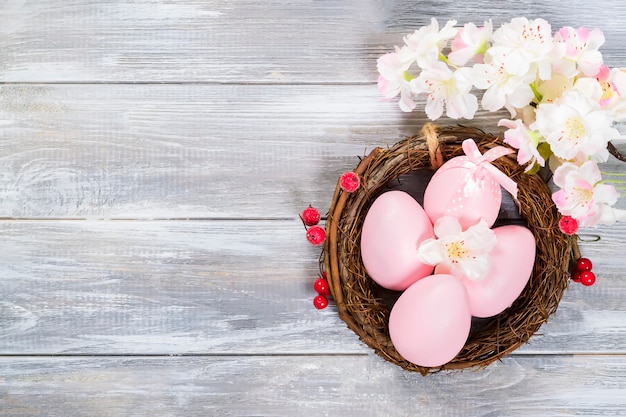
[(457, 251)]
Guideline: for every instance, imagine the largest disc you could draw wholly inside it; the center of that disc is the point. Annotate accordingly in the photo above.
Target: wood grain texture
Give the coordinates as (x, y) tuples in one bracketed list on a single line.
[(308, 385), (216, 287), (172, 151), (226, 41), (150, 151), (154, 155)]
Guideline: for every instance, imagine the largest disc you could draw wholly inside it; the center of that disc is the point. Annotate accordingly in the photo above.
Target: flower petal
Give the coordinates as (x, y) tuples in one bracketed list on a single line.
[(447, 226), (476, 268), (431, 252)]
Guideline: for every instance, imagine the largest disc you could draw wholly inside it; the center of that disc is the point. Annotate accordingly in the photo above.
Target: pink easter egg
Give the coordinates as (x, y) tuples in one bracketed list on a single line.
[(430, 322), (393, 229), (512, 261), (455, 191)]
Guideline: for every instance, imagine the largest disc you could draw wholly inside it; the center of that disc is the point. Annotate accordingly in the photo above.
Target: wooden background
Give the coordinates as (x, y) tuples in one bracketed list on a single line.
[(154, 157)]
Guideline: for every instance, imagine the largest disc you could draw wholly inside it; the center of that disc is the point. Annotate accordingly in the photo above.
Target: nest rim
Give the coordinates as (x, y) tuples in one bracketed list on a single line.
[(354, 292)]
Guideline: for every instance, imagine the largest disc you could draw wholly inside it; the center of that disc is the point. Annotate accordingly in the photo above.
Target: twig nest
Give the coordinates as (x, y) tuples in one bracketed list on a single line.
[(365, 306)]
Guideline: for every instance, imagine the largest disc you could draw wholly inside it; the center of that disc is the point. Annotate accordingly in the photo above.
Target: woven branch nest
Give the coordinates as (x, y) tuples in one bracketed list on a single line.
[(363, 305)]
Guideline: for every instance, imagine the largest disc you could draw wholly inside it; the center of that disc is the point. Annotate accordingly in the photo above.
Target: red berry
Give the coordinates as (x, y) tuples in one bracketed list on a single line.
[(587, 278), (576, 275), (583, 264), (320, 302), (321, 287), (310, 216), (349, 181), (568, 225), (316, 235)]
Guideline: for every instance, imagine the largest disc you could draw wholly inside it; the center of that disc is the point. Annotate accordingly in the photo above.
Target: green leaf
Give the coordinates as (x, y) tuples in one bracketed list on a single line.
[(544, 150), (535, 169)]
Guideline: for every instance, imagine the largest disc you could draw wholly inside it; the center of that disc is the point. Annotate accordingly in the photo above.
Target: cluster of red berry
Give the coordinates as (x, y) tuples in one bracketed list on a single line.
[(323, 291), (582, 272), (349, 182), (316, 235)]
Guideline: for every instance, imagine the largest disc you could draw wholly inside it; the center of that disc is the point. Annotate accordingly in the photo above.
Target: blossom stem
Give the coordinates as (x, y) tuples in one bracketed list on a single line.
[(538, 95), (408, 77), (445, 60)]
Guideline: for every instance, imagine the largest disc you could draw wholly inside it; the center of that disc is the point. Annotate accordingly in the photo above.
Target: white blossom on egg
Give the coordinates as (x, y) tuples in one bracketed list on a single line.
[(462, 253)]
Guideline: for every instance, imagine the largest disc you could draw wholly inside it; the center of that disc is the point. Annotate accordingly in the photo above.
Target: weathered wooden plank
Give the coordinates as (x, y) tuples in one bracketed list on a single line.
[(308, 385), (185, 151), (146, 151), (282, 41), (175, 287), (161, 287)]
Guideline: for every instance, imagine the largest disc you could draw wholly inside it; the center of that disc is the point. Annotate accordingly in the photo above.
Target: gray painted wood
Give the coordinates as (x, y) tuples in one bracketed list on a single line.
[(154, 156), (215, 287), (163, 151), (307, 386), (281, 41)]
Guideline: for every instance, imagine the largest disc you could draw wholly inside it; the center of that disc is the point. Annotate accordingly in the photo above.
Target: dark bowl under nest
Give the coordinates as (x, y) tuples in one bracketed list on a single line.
[(365, 306)]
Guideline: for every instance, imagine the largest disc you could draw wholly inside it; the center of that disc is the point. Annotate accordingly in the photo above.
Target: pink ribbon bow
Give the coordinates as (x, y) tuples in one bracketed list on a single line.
[(481, 169)]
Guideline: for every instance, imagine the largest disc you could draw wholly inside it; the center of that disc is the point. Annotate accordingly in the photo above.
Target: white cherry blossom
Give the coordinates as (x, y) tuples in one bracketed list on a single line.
[(427, 42), (580, 49), (613, 85), (502, 88), (526, 47), (562, 99), (471, 42), (462, 253), (582, 194), (574, 124), (393, 78), (442, 85), (555, 87), (524, 140)]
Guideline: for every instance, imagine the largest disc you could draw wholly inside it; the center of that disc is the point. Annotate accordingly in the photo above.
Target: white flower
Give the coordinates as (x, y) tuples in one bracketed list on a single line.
[(555, 87), (524, 140), (526, 47), (471, 42), (440, 84), (463, 253), (580, 47), (573, 125), (394, 79), (427, 42), (582, 194), (613, 84), (503, 89)]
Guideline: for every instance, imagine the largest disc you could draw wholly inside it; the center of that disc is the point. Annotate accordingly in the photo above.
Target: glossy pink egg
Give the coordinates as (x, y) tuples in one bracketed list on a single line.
[(512, 262), (430, 322), (457, 190), (393, 229)]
